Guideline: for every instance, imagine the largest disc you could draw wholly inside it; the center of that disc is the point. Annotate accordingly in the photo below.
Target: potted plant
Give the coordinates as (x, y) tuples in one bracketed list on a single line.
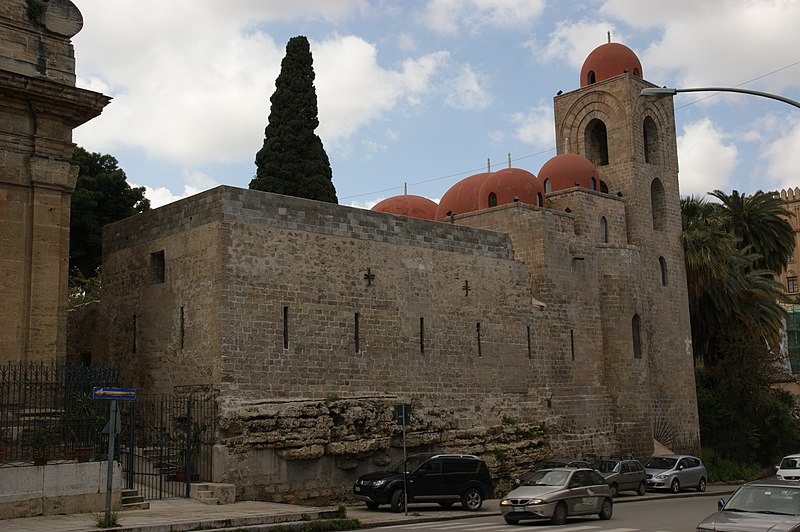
[(5, 439), (81, 423), (41, 439)]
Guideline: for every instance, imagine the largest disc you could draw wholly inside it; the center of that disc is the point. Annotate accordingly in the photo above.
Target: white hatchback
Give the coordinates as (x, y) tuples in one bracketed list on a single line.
[(789, 468)]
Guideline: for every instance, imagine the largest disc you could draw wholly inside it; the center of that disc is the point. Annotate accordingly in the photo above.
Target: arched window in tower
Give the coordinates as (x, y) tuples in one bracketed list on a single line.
[(592, 183), (596, 141), (492, 199), (590, 77), (650, 132), (636, 72), (539, 199), (548, 186), (657, 204), (603, 230), (662, 265), (637, 338)]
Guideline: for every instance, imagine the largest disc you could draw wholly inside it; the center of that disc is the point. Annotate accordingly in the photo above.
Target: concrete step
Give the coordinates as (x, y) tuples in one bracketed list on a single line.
[(131, 500), (206, 497)]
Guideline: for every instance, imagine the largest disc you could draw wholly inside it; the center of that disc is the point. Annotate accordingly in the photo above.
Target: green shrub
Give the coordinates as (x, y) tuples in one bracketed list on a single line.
[(722, 469)]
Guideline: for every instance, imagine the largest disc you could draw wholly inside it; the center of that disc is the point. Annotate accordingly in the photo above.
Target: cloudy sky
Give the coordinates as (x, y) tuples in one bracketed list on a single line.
[(423, 92)]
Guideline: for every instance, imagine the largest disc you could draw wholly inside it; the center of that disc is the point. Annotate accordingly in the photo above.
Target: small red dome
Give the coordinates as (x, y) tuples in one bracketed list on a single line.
[(609, 60), (408, 205), (569, 170), (461, 197), (508, 183)]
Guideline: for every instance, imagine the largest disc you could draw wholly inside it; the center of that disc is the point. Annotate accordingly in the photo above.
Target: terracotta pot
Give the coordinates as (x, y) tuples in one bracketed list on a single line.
[(180, 476), (2, 454), (41, 456), (83, 454), (69, 454)]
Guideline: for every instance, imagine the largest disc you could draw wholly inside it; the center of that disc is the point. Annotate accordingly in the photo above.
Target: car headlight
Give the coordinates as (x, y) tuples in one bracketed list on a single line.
[(379, 483), (537, 501), (662, 477), (505, 502)]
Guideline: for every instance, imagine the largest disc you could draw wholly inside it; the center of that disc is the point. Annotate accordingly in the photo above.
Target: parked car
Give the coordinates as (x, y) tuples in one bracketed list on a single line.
[(757, 506), (556, 494), (789, 468), (551, 463), (623, 475), (675, 472), (440, 478)]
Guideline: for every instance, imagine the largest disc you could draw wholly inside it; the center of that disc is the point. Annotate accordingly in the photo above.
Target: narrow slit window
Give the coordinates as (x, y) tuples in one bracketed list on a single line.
[(157, 267), (637, 339), (286, 327), (492, 199), (134, 333), (529, 341), (478, 331), (422, 335), (572, 343), (357, 333), (662, 264)]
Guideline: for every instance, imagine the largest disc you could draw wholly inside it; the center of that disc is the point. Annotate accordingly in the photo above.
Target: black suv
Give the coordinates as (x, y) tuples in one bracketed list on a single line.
[(440, 478)]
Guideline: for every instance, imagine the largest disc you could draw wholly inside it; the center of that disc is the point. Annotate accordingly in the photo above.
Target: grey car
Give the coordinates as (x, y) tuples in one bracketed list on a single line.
[(757, 506), (622, 475), (556, 494), (676, 472)]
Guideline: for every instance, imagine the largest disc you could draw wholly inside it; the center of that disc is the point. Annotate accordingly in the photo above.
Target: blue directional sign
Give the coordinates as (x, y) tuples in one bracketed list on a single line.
[(123, 394)]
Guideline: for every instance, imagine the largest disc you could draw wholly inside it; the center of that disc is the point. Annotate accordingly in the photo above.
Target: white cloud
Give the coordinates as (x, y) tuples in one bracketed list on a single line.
[(535, 125), (194, 181), (466, 91), (450, 17), (573, 41), (783, 156), (707, 158)]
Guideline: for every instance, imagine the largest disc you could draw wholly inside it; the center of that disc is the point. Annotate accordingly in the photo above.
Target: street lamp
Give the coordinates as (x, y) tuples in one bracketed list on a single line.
[(661, 92)]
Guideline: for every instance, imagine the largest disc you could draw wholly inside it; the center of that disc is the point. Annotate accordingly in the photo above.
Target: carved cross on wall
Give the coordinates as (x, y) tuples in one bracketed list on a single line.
[(369, 276), (466, 288)]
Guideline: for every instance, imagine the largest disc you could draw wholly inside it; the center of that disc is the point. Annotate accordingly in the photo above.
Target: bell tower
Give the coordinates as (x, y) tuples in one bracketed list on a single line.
[(632, 143)]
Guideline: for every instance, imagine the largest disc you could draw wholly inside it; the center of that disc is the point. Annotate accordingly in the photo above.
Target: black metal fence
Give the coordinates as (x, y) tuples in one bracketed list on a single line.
[(166, 443), (47, 412)]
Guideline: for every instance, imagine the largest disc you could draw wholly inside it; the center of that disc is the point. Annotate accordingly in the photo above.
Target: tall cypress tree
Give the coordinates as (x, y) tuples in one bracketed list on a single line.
[(292, 160)]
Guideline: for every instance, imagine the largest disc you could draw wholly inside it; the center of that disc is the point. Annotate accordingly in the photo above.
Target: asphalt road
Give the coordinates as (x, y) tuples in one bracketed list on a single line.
[(662, 515)]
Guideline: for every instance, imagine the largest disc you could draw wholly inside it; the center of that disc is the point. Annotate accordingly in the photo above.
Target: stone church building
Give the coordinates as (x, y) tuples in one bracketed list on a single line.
[(523, 315)]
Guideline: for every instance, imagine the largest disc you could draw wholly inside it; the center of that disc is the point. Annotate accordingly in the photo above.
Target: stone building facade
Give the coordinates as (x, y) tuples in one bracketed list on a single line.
[(514, 329), (39, 108)]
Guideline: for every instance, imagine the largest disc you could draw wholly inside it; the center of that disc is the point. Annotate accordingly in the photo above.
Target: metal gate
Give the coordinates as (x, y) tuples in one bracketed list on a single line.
[(165, 443)]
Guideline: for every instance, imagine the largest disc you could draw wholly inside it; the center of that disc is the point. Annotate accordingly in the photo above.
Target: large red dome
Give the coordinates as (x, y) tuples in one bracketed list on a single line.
[(568, 170), (609, 60), (408, 205), (509, 185), (461, 197)]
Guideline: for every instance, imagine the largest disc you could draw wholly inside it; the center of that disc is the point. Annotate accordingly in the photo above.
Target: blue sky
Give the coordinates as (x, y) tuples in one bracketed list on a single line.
[(424, 92)]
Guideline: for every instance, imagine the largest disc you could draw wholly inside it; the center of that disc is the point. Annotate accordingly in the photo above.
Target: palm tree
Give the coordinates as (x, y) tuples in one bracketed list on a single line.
[(761, 222)]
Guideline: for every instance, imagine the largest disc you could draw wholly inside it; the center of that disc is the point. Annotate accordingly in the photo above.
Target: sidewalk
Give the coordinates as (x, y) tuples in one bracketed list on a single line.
[(189, 514)]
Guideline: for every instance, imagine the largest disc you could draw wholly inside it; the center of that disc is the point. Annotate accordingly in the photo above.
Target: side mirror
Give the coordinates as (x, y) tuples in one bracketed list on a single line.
[(720, 504)]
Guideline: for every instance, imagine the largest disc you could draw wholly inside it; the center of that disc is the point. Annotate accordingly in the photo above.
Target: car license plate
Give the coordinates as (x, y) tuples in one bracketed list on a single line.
[(358, 488), (518, 509)]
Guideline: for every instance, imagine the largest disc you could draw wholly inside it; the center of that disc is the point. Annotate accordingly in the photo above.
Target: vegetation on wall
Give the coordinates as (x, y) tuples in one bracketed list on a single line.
[(292, 160), (732, 250)]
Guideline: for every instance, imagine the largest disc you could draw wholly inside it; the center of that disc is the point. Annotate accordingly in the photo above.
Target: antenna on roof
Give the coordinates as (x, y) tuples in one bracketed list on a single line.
[(609, 36), (405, 188), (488, 164), (509, 159)]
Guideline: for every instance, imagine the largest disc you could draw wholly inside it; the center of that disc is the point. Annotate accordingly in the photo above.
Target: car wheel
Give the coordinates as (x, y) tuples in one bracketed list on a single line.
[(446, 504), (372, 505), (702, 485), (614, 489), (642, 488), (675, 487), (606, 510), (398, 501), (559, 514), (472, 500), (511, 521)]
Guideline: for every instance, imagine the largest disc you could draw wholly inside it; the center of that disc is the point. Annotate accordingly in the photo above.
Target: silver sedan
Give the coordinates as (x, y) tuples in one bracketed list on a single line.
[(772, 506), (556, 494)]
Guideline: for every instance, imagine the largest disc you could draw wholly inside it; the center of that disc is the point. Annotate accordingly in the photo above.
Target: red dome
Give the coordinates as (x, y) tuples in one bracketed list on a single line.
[(408, 205), (609, 60), (569, 170), (508, 183), (461, 197)]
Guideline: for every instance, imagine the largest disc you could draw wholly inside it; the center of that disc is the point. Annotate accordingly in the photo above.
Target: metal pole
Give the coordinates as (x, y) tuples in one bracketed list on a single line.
[(112, 431), (405, 467)]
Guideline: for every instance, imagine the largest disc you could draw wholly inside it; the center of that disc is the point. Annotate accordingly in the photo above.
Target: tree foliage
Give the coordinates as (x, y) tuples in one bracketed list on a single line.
[(292, 160), (102, 196)]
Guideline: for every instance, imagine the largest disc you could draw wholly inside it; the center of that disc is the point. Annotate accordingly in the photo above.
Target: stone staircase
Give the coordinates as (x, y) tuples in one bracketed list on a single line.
[(212, 492), (131, 500)]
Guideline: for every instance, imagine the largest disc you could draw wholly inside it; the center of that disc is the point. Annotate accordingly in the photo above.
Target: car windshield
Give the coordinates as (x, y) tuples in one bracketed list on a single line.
[(790, 463), (660, 462), (545, 477), (765, 499), (412, 463), (606, 466)]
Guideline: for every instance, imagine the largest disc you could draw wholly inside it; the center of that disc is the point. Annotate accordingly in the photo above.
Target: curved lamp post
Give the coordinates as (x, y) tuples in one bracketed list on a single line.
[(659, 92)]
